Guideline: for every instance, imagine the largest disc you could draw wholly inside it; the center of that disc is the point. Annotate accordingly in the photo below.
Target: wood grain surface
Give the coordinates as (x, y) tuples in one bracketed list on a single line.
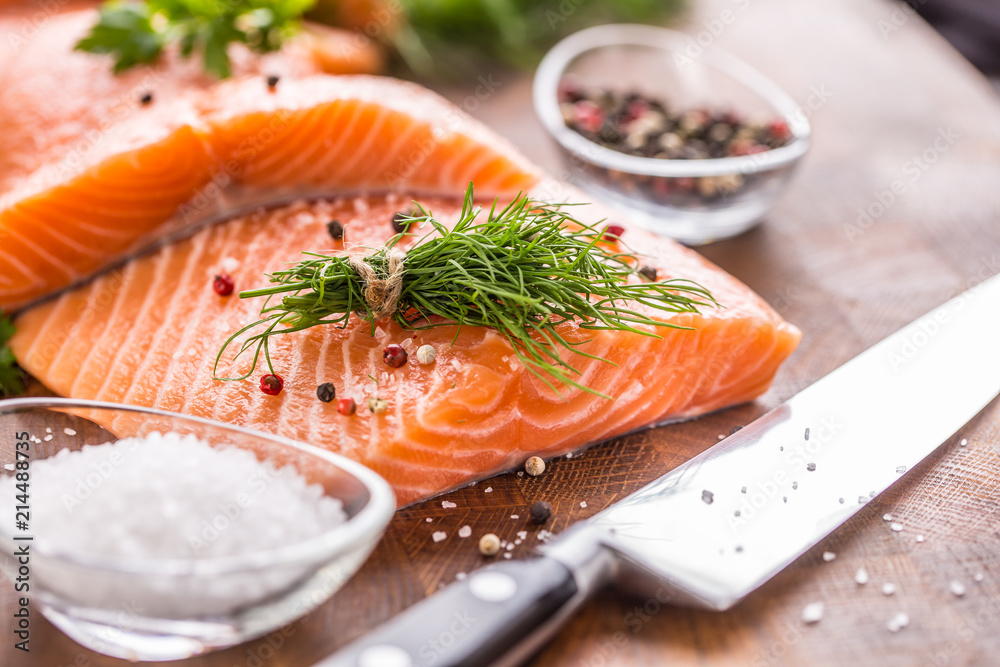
[(880, 88)]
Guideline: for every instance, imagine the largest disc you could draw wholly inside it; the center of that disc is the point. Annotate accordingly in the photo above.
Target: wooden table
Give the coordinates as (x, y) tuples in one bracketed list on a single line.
[(880, 88)]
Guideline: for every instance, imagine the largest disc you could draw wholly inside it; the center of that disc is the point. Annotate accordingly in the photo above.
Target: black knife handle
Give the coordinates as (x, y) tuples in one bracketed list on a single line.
[(472, 623)]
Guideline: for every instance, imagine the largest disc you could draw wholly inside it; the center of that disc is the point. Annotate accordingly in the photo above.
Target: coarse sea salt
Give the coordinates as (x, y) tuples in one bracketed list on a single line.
[(439, 535), (465, 531), (813, 612), (168, 496), (447, 504)]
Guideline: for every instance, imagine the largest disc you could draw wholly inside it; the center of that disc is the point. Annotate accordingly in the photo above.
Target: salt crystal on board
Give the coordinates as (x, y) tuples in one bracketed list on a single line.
[(920, 538), (583, 503), (48, 438), (439, 535), (810, 467), (9, 466), (428, 519), (896, 527), (507, 555), (829, 556), (48, 430), (461, 576), (956, 588), (447, 504), (861, 576), (488, 489), (887, 517), (813, 612), (888, 589), (515, 516), (522, 534), (979, 576), (964, 442), (465, 531), (898, 622)]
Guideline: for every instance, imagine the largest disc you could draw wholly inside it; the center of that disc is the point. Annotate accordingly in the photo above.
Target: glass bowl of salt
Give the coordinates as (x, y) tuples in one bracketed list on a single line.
[(148, 535)]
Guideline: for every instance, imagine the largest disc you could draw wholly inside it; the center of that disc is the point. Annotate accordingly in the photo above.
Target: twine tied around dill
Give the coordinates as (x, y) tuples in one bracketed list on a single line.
[(381, 294)]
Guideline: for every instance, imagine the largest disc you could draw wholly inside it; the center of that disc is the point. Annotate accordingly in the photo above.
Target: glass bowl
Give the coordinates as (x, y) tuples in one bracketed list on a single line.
[(167, 609), (694, 201)]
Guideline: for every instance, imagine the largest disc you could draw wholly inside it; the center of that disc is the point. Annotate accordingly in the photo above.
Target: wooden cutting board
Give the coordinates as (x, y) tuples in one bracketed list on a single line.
[(849, 262)]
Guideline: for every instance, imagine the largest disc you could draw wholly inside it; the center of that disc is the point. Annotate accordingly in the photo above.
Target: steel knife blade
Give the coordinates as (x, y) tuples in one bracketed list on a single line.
[(717, 527)]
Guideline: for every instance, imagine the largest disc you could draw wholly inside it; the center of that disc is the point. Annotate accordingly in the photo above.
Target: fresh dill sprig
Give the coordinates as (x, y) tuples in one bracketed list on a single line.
[(11, 376), (527, 269), (137, 32)]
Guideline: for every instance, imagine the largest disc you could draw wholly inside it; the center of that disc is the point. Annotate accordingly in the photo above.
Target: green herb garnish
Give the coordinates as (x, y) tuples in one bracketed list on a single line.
[(137, 32), (524, 271), (11, 376)]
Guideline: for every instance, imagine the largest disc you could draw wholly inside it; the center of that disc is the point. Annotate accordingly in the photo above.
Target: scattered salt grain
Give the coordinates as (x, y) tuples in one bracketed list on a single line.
[(48, 430), (862, 500), (429, 520), (900, 470), (861, 576), (896, 527), (510, 546), (515, 516), (813, 612), (707, 496), (456, 364), (488, 489), (898, 622), (544, 535), (439, 535), (964, 442), (583, 503), (807, 433), (461, 576), (406, 344), (522, 534), (810, 467), (920, 538), (887, 517), (957, 588), (465, 531), (743, 490), (9, 466), (447, 504), (888, 589), (380, 333), (829, 556), (48, 438), (979, 577), (840, 500), (722, 437), (507, 555)]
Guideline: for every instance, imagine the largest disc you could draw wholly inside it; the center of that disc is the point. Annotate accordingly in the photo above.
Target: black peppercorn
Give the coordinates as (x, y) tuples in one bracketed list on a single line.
[(336, 230), (648, 272), (272, 80), (326, 392), (401, 221), (540, 511), (147, 98)]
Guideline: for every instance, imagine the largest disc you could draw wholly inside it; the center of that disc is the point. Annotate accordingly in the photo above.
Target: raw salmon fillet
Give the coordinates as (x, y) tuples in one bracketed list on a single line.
[(148, 334), (89, 174)]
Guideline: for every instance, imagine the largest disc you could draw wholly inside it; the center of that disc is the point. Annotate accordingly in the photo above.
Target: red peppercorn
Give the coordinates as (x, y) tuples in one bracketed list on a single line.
[(613, 232), (394, 355), (589, 116), (223, 284), (346, 406), (779, 130), (271, 384)]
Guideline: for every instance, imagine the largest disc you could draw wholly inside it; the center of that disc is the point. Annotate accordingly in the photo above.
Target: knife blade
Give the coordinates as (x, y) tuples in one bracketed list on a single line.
[(717, 527)]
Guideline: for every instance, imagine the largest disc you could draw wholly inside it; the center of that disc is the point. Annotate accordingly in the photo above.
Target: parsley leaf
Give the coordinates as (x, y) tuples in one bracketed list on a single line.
[(11, 376), (137, 32)]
